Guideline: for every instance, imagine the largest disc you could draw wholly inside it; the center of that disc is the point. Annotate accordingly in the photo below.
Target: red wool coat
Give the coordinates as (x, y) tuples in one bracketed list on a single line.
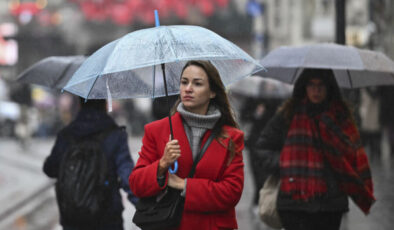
[(215, 189)]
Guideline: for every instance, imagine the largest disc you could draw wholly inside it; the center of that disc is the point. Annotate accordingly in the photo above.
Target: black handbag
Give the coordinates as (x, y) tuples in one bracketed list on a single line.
[(164, 210)]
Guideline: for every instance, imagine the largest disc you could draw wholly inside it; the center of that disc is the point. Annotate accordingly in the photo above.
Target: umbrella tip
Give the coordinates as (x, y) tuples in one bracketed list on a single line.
[(157, 21)]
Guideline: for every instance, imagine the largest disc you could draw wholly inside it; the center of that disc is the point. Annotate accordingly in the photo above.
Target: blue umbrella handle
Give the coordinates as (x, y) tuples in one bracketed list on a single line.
[(157, 21), (173, 171)]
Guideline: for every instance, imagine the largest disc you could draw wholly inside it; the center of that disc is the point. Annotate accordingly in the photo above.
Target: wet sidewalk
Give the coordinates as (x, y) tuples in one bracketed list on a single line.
[(26, 193)]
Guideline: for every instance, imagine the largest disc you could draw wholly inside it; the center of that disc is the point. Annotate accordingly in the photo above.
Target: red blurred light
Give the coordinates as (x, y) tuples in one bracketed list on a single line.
[(125, 11), (24, 7)]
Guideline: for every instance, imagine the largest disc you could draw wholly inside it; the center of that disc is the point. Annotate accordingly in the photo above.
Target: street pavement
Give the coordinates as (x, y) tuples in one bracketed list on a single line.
[(28, 202), (26, 193)]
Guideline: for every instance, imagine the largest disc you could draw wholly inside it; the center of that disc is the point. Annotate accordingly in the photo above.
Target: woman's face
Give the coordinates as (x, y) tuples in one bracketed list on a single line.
[(316, 90), (194, 89)]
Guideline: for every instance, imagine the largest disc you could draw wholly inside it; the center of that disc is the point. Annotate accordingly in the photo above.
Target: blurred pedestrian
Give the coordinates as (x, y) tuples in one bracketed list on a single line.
[(264, 110), (212, 194), (136, 116), (370, 128), (386, 114), (3, 89), (21, 94), (68, 107), (92, 122), (315, 149)]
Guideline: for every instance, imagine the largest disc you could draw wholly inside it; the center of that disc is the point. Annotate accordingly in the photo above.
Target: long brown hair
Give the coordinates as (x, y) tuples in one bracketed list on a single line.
[(220, 101), (299, 92)]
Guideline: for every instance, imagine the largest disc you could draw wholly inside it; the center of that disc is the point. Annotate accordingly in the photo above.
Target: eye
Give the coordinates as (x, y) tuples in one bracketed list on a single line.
[(198, 82), (183, 82)]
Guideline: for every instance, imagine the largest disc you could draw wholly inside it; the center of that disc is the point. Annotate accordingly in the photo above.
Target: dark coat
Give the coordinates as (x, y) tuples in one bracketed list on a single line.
[(269, 146), (116, 148)]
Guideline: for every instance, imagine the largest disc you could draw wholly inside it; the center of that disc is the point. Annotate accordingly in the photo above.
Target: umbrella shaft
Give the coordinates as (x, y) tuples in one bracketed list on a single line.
[(168, 101)]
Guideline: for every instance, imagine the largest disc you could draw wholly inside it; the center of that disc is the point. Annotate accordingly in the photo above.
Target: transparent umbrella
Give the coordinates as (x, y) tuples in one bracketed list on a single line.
[(352, 67), (131, 66)]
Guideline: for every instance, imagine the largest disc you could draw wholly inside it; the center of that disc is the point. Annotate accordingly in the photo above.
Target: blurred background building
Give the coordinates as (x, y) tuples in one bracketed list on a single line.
[(310, 21)]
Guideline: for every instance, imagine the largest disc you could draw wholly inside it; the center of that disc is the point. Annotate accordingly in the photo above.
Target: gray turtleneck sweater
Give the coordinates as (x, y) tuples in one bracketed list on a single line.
[(196, 125)]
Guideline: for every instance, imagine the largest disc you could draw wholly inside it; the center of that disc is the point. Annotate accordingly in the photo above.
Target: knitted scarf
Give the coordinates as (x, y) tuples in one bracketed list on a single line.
[(324, 142)]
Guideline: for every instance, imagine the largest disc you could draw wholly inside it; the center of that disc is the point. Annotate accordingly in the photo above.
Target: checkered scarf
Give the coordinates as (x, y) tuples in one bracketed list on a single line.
[(302, 160)]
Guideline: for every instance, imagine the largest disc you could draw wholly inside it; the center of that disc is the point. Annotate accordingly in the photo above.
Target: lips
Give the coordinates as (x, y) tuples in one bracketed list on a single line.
[(187, 98)]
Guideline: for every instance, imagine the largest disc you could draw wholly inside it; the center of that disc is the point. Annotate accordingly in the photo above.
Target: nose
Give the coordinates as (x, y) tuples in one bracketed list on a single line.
[(189, 87), (316, 89)]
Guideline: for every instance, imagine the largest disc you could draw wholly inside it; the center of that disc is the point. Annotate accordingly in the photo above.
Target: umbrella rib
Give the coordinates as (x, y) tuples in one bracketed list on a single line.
[(350, 78), (87, 97), (154, 81), (154, 77), (24, 73), (63, 72), (294, 75), (173, 38)]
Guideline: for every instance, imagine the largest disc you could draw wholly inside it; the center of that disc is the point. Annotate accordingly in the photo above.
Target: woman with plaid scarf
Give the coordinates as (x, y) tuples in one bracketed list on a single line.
[(314, 148)]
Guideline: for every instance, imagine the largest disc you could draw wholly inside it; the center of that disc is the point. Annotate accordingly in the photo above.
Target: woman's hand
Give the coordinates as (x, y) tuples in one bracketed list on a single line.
[(176, 182), (172, 152)]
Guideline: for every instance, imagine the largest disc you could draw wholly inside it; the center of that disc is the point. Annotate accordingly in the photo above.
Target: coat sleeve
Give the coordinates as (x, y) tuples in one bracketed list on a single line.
[(52, 162), (124, 164), (143, 179), (206, 195), (270, 143)]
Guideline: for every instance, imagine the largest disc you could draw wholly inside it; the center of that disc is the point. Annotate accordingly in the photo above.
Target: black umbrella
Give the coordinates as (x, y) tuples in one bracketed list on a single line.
[(53, 72)]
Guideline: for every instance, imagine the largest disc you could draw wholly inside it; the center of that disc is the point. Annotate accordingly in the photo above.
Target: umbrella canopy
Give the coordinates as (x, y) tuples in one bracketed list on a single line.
[(53, 72), (130, 66), (261, 88), (352, 67)]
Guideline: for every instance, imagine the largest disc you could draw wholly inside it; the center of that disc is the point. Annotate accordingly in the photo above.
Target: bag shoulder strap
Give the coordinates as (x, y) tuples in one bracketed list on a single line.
[(201, 153)]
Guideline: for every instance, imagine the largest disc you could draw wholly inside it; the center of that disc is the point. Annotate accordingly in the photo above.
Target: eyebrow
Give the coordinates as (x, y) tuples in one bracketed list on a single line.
[(194, 79)]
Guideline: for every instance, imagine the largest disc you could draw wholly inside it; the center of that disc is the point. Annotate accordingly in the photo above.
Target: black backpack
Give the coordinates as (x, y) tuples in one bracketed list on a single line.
[(83, 186)]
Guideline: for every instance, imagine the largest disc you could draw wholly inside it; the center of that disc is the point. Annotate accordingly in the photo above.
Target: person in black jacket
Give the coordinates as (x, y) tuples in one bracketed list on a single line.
[(260, 112), (92, 119), (313, 146)]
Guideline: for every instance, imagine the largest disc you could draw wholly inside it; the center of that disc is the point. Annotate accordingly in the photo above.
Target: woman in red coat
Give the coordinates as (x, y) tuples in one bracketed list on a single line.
[(216, 187)]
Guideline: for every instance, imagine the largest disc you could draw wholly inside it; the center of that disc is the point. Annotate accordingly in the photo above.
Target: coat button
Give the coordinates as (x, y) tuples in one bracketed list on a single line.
[(291, 179)]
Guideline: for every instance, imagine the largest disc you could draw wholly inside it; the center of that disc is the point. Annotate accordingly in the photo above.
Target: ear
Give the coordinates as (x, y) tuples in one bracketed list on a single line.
[(212, 95)]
